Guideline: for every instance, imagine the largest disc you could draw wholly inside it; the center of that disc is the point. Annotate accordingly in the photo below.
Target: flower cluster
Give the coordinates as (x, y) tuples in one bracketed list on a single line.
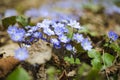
[(56, 32)]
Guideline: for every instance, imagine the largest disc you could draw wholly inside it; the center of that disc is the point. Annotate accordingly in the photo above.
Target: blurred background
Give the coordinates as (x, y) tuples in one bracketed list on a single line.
[(96, 16), (93, 13)]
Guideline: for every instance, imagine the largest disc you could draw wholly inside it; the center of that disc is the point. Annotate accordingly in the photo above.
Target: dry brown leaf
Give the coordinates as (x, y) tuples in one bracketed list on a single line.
[(39, 53), (58, 61), (6, 65), (112, 69)]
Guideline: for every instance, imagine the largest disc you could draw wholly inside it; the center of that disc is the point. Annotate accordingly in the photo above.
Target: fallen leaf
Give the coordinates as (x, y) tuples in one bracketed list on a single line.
[(6, 65), (39, 53)]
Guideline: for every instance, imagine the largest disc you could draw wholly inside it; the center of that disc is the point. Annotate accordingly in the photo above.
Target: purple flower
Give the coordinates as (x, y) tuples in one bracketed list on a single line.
[(18, 36), (69, 47), (21, 54), (12, 30), (48, 31), (28, 34), (78, 37), (74, 24), (55, 41), (41, 25), (58, 30), (86, 44), (37, 34), (33, 29), (63, 38), (112, 35), (45, 23), (27, 27), (58, 25)]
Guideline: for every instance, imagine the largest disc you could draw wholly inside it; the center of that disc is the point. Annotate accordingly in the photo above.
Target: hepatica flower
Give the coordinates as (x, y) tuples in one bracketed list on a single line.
[(33, 29), (37, 35), (69, 47), (18, 37), (58, 30), (48, 31), (16, 34), (86, 44), (78, 37), (74, 24), (21, 54), (55, 42), (12, 30), (63, 38), (112, 35)]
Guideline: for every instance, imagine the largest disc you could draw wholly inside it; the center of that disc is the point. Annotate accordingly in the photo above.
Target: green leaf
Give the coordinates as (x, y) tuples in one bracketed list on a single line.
[(115, 47), (50, 70), (107, 59), (8, 21), (71, 60), (19, 74), (21, 20), (96, 63), (93, 54), (83, 69), (70, 34), (77, 61), (93, 75)]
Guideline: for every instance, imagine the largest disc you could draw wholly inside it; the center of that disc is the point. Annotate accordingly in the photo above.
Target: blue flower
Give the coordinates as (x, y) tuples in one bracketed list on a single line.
[(74, 24), (78, 37), (37, 34), (33, 29), (58, 25), (18, 36), (86, 44), (55, 41), (45, 24), (59, 30), (28, 34), (21, 54), (112, 35), (48, 31), (63, 38), (12, 30), (69, 47)]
